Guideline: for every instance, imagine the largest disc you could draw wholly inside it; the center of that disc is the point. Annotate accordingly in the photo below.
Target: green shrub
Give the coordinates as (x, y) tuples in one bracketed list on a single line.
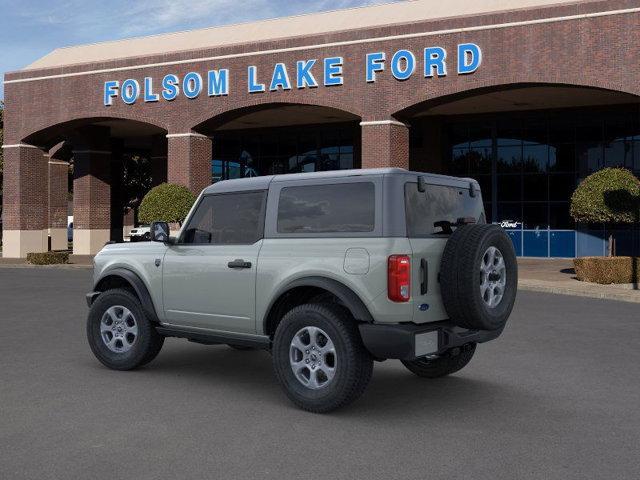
[(607, 270), (167, 202), (48, 258), (611, 195)]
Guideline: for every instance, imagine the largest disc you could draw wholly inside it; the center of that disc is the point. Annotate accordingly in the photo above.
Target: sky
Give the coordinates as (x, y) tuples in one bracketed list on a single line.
[(29, 29)]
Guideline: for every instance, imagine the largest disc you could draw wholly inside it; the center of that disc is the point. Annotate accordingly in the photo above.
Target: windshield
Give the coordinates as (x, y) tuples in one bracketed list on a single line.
[(439, 209)]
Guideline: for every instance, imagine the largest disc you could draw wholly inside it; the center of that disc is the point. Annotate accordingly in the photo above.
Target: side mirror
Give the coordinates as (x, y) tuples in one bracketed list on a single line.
[(159, 232)]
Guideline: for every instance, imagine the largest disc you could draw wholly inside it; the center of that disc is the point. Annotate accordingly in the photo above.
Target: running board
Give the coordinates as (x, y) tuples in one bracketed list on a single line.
[(216, 338)]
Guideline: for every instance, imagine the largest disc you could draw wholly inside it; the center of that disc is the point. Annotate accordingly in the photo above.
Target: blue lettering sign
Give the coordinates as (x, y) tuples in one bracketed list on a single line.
[(304, 77), (333, 71), (110, 92), (170, 87), (469, 58), (254, 87), (218, 82), (403, 64), (192, 85), (375, 63), (149, 96), (130, 91), (434, 58), (280, 78)]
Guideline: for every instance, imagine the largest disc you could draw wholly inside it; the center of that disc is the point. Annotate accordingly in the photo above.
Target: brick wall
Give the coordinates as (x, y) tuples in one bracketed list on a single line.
[(189, 161), (25, 189), (599, 52)]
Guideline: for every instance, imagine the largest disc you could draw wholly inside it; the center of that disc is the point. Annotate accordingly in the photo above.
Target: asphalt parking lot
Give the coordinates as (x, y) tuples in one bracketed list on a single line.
[(555, 397)]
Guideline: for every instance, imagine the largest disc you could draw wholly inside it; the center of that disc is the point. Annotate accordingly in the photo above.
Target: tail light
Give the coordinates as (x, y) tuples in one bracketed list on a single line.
[(399, 278)]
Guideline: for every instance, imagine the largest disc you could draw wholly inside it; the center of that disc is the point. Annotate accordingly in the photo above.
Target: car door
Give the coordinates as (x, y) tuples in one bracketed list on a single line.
[(209, 275)]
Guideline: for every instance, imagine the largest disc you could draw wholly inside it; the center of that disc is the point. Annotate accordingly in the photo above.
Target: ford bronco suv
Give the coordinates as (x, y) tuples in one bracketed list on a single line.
[(328, 271)]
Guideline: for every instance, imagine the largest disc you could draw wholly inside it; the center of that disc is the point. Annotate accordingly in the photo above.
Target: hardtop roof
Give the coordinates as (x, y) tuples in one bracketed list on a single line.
[(262, 183)]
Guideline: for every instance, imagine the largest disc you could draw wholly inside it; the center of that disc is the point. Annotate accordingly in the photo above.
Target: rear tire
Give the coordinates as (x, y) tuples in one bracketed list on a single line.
[(119, 332), (319, 358), (449, 363)]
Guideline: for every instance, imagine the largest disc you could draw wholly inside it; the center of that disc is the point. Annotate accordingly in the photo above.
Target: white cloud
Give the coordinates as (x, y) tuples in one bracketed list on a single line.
[(122, 18)]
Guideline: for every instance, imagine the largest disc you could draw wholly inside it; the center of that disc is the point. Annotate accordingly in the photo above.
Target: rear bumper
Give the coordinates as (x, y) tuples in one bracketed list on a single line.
[(410, 341)]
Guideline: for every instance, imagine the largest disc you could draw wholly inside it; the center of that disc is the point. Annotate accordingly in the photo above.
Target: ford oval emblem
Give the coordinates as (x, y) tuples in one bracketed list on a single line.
[(423, 307)]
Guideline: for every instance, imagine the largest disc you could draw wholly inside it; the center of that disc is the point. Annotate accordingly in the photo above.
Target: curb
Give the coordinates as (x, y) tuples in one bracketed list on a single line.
[(63, 266), (548, 287)]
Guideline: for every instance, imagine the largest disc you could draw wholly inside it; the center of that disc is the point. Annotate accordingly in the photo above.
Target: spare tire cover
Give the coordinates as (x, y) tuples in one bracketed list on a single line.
[(479, 277)]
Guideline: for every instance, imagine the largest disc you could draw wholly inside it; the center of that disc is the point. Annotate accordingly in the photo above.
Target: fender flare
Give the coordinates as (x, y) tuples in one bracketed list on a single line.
[(347, 296), (138, 286)]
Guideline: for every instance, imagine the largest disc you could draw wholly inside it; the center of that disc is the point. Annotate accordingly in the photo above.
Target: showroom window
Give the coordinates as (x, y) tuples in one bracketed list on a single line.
[(537, 158)]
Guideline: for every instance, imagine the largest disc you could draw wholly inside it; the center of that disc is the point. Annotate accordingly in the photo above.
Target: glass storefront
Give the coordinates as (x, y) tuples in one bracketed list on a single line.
[(529, 163), (255, 152)]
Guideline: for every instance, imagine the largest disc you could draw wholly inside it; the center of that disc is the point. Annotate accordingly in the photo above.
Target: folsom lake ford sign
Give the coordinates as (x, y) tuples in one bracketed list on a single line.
[(309, 73)]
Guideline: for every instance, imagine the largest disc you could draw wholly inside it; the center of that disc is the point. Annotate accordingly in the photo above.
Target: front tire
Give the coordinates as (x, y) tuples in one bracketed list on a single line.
[(119, 332), (452, 361), (319, 358)]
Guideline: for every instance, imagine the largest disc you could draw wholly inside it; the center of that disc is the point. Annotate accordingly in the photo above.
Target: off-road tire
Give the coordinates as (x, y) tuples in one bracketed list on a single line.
[(460, 277), (354, 364), (147, 344), (452, 361)]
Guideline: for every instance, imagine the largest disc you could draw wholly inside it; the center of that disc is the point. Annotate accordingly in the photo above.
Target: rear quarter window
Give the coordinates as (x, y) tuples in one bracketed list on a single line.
[(438, 203), (338, 208)]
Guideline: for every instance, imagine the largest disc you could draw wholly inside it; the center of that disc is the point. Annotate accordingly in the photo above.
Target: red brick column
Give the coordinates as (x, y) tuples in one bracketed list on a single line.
[(92, 154), (158, 160), (189, 160), (25, 211), (58, 191), (91, 200), (385, 144)]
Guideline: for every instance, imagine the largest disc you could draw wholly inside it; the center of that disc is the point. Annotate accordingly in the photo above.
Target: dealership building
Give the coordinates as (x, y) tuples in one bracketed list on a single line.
[(526, 96)]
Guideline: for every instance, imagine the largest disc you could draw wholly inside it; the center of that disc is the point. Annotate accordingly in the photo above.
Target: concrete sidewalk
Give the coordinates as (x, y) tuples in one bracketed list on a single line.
[(558, 276), (75, 261)]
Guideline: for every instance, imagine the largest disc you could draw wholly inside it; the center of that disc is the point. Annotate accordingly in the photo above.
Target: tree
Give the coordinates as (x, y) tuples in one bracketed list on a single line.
[(611, 195), (166, 202), (136, 181)]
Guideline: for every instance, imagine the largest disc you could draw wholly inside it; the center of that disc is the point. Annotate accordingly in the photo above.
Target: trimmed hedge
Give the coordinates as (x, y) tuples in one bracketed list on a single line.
[(607, 270), (167, 203), (611, 195), (48, 258)]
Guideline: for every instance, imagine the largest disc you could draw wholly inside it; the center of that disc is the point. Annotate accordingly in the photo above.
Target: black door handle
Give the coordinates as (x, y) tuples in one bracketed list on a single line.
[(239, 263)]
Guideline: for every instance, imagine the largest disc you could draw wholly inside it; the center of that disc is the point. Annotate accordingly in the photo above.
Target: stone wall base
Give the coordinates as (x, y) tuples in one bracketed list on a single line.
[(58, 238), (89, 242), (17, 243)]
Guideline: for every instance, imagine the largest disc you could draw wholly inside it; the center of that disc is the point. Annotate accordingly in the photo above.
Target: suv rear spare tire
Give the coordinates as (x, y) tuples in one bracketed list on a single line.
[(479, 277)]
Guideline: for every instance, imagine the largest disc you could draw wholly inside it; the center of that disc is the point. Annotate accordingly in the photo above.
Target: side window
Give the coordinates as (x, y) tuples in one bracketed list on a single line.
[(227, 219), (337, 208)]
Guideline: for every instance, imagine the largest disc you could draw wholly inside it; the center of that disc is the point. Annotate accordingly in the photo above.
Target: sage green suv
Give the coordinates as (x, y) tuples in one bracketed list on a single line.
[(328, 271)]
